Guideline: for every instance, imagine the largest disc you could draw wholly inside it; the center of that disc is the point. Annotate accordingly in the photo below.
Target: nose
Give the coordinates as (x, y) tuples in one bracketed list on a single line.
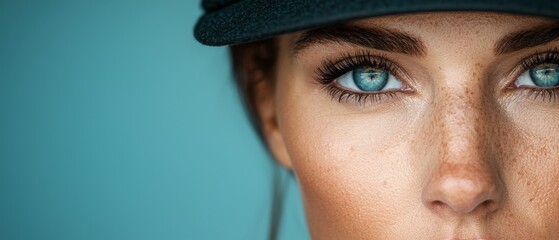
[(464, 178), (460, 189)]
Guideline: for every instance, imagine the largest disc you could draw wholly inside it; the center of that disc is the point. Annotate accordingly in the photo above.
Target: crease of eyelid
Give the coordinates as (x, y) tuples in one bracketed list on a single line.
[(372, 38)]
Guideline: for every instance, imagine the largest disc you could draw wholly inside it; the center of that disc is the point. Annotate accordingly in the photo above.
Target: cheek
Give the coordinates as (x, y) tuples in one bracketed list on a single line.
[(352, 168), (532, 165)]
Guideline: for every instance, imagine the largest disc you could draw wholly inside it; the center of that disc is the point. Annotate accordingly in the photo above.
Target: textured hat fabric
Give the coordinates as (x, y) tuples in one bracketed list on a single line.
[(229, 22)]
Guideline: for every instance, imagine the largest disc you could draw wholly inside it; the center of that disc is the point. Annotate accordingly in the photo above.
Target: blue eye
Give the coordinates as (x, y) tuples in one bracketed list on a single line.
[(368, 79), (543, 75)]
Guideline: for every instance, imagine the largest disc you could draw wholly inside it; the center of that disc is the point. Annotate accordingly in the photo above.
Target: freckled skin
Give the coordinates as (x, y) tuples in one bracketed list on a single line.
[(459, 158)]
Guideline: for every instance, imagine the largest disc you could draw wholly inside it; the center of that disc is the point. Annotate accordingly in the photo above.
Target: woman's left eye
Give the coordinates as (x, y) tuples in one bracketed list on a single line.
[(368, 79), (544, 76)]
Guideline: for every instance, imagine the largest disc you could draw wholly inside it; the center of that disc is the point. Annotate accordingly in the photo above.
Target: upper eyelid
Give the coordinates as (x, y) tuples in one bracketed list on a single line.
[(366, 57), (540, 57)]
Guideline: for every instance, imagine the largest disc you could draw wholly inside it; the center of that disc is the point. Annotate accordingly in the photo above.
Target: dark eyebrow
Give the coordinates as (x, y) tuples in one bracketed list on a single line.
[(527, 38), (375, 38)]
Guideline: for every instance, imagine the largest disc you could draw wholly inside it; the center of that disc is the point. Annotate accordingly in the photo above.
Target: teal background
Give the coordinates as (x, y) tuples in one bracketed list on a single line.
[(116, 124)]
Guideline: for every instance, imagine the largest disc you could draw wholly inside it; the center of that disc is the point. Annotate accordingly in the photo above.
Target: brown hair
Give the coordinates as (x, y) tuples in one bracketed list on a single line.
[(254, 64)]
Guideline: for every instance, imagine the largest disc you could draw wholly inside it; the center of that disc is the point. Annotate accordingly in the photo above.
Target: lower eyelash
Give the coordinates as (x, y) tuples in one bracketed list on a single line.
[(544, 94), (342, 95)]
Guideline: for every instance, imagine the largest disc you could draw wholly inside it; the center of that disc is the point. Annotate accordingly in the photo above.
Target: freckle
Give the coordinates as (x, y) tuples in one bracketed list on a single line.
[(478, 65), (531, 199), (384, 183)]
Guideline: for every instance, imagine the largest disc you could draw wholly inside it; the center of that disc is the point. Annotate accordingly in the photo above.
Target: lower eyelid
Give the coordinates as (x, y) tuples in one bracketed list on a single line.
[(550, 95), (359, 98)]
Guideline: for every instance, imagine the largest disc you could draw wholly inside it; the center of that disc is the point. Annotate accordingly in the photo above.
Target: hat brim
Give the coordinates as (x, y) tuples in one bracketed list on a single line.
[(252, 20)]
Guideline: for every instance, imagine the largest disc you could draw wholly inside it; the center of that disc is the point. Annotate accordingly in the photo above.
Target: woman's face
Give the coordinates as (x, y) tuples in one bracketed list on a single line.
[(431, 126)]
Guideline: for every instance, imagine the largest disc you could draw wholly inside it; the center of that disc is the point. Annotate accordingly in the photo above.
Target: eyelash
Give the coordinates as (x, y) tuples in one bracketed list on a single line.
[(331, 70), (545, 94)]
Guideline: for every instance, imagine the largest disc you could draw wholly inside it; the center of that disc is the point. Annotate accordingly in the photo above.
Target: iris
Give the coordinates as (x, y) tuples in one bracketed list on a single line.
[(545, 75), (372, 79)]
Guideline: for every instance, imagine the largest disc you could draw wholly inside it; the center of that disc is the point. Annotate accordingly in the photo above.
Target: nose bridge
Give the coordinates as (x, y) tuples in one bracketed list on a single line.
[(462, 178), (461, 121)]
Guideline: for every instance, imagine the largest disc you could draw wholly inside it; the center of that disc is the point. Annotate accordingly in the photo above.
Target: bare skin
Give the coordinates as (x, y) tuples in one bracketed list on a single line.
[(459, 151)]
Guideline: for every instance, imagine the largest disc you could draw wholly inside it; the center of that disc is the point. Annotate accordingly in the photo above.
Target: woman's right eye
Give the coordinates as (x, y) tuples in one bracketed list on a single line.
[(543, 75), (368, 80)]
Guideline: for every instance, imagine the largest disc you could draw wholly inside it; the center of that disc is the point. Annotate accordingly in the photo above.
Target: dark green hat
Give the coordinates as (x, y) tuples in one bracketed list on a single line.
[(229, 22)]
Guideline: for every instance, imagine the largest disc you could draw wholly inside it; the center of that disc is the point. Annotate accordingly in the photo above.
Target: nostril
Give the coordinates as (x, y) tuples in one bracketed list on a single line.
[(488, 205), (437, 205), (461, 196)]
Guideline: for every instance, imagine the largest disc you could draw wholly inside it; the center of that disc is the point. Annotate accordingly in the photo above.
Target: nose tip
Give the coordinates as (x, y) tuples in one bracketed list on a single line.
[(462, 195)]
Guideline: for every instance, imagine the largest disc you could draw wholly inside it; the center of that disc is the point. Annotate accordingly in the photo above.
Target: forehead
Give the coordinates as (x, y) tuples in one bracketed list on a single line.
[(463, 30), (454, 20), (433, 22)]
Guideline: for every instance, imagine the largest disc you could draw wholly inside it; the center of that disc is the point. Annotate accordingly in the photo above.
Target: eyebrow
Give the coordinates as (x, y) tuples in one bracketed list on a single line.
[(375, 38), (527, 38)]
